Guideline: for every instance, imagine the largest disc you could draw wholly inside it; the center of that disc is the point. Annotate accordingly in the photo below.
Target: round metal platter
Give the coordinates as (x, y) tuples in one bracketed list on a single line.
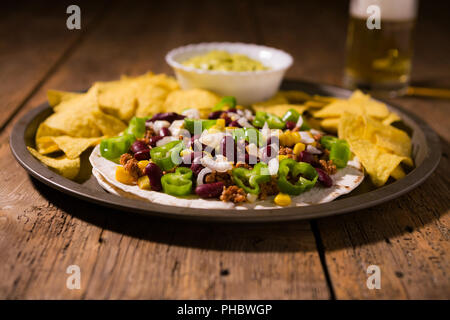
[(426, 154)]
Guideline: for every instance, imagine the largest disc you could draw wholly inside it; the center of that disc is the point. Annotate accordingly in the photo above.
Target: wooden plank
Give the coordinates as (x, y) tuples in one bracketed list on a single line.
[(34, 40), (125, 256), (408, 237)]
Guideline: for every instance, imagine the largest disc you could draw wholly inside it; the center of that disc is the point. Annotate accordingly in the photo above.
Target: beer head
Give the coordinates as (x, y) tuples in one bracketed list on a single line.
[(398, 10)]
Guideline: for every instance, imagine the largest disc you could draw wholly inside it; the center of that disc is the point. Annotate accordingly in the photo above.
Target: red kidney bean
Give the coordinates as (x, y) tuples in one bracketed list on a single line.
[(273, 139), (215, 115), (324, 178), (196, 168), (167, 116), (154, 174), (138, 145), (142, 155), (235, 124), (227, 120), (154, 139), (164, 132), (228, 147), (305, 156), (232, 110), (210, 190), (290, 125), (268, 153)]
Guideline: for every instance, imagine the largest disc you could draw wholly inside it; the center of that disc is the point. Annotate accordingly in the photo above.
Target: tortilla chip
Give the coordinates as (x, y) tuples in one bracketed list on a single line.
[(391, 118), (117, 98), (398, 173), (108, 125), (295, 96), (200, 99), (380, 148), (277, 99), (280, 109), (55, 97), (358, 103), (68, 168), (46, 145), (330, 124), (74, 147)]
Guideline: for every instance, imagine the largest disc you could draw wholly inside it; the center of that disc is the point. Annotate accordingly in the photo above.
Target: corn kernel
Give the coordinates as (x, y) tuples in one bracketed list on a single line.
[(144, 183), (239, 107), (289, 138), (123, 176), (282, 199), (231, 128), (220, 123), (142, 164), (298, 148), (185, 152), (282, 157)]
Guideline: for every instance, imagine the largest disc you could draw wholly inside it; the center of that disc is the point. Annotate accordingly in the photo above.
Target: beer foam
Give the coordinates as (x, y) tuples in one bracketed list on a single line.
[(397, 10)]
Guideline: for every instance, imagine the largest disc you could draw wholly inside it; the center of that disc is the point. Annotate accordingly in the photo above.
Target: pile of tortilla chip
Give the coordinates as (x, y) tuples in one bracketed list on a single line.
[(362, 121), (82, 120)]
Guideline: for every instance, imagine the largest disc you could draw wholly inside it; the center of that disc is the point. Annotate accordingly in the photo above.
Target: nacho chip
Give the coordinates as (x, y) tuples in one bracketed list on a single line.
[(330, 124), (391, 118), (200, 99), (295, 96), (108, 125), (117, 98), (74, 147), (68, 168), (358, 103), (55, 97), (46, 145), (398, 173), (380, 148), (277, 99)]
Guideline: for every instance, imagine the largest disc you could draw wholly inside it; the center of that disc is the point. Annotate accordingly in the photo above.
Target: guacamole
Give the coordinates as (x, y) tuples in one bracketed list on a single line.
[(224, 61)]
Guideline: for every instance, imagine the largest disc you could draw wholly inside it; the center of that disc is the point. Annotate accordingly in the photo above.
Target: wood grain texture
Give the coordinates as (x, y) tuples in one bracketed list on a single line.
[(408, 237), (35, 40), (125, 256), (130, 257)]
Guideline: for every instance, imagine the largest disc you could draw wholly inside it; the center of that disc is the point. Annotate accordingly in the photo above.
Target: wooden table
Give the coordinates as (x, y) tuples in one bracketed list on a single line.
[(124, 256)]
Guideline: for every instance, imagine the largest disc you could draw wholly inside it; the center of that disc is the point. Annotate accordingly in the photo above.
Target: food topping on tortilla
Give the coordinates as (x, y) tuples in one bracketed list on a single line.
[(234, 155)]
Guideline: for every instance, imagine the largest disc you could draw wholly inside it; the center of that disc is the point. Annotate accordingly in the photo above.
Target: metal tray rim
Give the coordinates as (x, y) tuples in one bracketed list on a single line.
[(339, 206)]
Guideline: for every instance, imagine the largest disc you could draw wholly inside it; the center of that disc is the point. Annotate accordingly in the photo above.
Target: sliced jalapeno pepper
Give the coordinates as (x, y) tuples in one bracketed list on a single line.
[(229, 102), (250, 180), (273, 121), (303, 173), (113, 148), (168, 155), (178, 183)]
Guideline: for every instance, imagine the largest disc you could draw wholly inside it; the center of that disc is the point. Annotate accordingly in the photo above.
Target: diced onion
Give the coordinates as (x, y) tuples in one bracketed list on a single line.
[(252, 197), (159, 124), (306, 137), (165, 141), (191, 113), (273, 166), (313, 150), (244, 123), (299, 122), (175, 127), (220, 164), (201, 175)]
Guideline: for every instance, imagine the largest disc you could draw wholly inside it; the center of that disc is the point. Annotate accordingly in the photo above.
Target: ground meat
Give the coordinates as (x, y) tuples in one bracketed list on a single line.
[(285, 151), (132, 167), (149, 133), (233, 194), (219, 177), (269, 188), (243, 165), (328, 166), (317, 136), (124, 158)]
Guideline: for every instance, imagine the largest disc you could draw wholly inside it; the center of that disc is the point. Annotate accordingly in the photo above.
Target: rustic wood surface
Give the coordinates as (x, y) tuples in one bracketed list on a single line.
[(125, 256)]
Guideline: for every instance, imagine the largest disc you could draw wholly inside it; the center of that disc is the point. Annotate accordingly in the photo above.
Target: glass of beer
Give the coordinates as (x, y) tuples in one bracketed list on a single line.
[(380, 46)]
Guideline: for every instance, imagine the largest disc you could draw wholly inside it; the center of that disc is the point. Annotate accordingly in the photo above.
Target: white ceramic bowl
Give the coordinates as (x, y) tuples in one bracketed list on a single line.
[(247, 87)]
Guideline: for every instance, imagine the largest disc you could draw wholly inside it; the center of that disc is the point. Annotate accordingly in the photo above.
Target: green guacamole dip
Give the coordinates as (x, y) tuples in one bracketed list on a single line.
[(224, 61)]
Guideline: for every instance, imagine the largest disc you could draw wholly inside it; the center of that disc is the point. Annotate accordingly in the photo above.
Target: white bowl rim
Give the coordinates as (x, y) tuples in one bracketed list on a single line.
[(174, 64)]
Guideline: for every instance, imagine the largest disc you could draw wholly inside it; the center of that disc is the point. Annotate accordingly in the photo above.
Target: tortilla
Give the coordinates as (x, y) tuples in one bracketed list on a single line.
[(346, 180)]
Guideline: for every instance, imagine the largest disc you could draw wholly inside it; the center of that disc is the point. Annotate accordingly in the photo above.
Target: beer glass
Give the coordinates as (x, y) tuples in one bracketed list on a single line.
[(380, 46)]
